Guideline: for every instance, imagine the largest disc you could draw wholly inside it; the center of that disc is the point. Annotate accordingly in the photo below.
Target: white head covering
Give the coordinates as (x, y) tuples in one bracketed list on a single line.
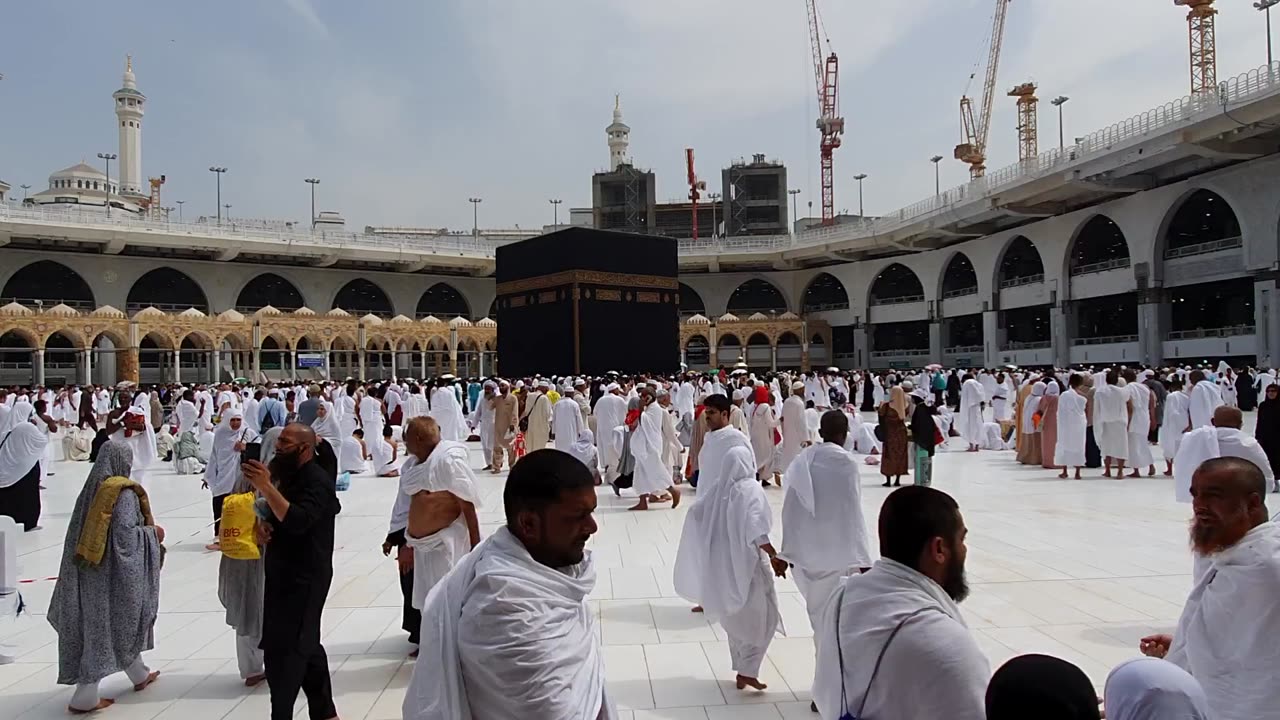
[(584, 448), (22, 449), (1052, 389), (1151, 689)]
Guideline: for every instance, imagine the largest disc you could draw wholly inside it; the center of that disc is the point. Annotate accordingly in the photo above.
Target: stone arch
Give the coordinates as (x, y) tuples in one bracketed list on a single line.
[(759, 338), (206, 341), (895, 284), (697, 336), (155, 340), (50, 282), (959, 278), (1099, 244), (728, 340), (443, 301), (17, 345), (824, 292), (268, 288), (788, 338), (1019, 263), (116, 339), (691, 302), (362, 297), (757, 295), (167, 289), (1199, 218)]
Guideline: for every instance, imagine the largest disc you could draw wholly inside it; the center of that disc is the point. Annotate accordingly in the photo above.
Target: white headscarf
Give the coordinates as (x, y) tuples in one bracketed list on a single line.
[(22, 448), (224, 467), (1151, 689), (1052, 389), (584, 448)]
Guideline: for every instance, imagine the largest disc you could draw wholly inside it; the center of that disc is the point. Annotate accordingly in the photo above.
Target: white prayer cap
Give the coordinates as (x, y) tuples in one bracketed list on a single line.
[(544, 384), (739, 394), (797, 385), (612, 386), (504, 383), (920, 393), (519, 383), (663, 392), (579, 381)]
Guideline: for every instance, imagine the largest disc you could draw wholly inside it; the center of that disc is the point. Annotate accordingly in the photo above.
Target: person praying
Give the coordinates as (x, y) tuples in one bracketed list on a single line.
[(972, 403)]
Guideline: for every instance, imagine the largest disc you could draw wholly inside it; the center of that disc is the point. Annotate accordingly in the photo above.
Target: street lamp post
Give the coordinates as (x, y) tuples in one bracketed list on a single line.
[(555, 204), (228, 207), (218, 172), (475, 215), (1059, 102), (1265, 6), (937, 178), (714, 197), (860, 177), (313, 182), (108, 157), (795, 213), (180, 204), (25, 188)]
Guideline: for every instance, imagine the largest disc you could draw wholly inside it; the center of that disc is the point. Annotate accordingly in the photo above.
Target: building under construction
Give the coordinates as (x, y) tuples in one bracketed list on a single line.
[(755, 197), (624, 199)]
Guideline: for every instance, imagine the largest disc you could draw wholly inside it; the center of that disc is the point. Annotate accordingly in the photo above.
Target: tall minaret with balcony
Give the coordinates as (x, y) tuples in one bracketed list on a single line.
[(619, 137), (129, 111)]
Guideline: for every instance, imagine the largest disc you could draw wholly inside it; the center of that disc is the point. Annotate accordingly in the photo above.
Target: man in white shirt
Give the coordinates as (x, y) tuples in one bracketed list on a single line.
[(824, 532), (1205, 398), (610, 412), (480, 659), (1223, 438), (1226, 634), (903, 617), (566, 421)]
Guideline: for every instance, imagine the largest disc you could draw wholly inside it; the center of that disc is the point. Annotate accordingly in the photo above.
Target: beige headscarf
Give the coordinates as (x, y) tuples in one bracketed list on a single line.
[(898, 401)]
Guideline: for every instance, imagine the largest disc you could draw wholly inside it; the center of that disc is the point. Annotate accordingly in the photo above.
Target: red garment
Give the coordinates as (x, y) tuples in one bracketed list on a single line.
[(762, 394)]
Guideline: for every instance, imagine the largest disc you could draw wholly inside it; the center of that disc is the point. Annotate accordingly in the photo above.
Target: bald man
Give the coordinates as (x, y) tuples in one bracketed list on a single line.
[(1222, 438), (441, 526), (298, 531), (1226, 635)]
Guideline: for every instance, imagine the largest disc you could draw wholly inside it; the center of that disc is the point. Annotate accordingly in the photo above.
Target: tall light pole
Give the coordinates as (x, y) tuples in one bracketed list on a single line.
[(228, 207), (1265, 6), (180, 204), (475, 215), (313, 182), (860, 177), (218, 172), (108, 157), (25, 188), (937, 179), (1059, 102), (795, 213), (714, 197), (555, 204), (168, 212)]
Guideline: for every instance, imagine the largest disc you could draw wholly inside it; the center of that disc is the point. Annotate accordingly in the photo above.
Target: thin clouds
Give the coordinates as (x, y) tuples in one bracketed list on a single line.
[(304, 10)]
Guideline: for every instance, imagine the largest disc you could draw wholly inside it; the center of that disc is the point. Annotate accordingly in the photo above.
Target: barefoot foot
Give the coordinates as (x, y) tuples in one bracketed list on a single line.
[(696, 608), (103, 704), (150, 679)]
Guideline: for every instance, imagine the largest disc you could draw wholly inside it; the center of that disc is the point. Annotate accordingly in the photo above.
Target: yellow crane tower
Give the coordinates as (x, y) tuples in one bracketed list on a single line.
[(1204, 47), (1028, 112), (973, 149)]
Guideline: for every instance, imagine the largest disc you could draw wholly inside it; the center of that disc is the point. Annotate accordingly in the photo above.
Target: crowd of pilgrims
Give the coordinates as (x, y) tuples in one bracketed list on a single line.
[(503, 622)]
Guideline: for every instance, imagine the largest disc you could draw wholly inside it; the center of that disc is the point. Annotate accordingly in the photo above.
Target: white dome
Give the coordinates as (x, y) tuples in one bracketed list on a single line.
[(698, 319), (400, 320), (304, 310), (431, 320), (267, 310), (757, 317), (728, 317), (149, 311), (14, 308), (62, 310), (79, 170), (231, 316), (371, 319), (338, 312), (191, 312), (487, 323), (108, 311), (459, 322), (788, 315)]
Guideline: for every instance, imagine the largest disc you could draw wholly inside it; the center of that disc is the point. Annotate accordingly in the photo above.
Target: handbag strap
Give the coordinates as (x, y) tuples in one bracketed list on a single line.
[(844, 702)]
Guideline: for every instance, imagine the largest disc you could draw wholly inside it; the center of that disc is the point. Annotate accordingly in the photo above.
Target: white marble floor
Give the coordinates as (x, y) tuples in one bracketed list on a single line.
[(1077, 569)]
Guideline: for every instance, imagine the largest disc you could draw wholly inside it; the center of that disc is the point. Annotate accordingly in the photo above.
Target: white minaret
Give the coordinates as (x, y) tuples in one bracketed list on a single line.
[(129, 110), (619, 137)]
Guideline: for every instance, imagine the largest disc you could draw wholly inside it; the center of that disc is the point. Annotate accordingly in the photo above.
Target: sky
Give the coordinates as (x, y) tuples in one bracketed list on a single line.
[(406, 108)]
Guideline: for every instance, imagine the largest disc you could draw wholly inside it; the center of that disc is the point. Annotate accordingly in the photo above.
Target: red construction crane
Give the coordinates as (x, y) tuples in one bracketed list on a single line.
[(976, 129), (696, 187), (826, 73)]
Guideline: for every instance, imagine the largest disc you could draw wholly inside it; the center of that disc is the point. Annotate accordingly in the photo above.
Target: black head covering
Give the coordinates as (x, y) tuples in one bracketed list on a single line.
[(1043, 688)]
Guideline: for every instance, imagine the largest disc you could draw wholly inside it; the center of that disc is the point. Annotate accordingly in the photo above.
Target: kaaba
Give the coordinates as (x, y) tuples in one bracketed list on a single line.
[(585, 301)]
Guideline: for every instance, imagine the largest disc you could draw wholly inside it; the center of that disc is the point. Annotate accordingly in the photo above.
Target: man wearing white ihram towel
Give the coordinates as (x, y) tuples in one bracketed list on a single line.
[(566, 421), (479, 659), (824, 533)]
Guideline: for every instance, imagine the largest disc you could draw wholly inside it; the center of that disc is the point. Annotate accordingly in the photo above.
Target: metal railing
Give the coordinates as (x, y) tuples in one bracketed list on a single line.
[(962, 350), (822, 307), (1232, 331), (33, 303), (1020, 281), (1104, 340), (1028, 345), (900, 300), (1105, 265), (900, 353), (960, 292), (1204, 248)]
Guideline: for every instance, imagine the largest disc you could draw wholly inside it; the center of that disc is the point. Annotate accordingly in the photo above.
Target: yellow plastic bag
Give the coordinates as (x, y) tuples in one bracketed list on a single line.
[(238, 521)]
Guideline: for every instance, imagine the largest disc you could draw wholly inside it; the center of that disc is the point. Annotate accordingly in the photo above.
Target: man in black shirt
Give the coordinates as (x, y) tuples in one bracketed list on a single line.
[(302, 504)]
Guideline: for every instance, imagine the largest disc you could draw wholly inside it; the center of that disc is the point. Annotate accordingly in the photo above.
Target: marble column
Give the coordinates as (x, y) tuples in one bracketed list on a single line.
[(773, 357), (37, 366), (216, 362), (453, 351), (177, 365), (1060, 316), (992, 338), (88, 367), (360, 362), (393, 363), (1153, 324), (293, 363), (935, 340)]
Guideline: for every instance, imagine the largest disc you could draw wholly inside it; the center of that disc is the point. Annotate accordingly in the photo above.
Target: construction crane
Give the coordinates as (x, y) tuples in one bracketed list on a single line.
[(1028, 115), (974, 148), (696, 187), (1204, 46), (826, 74), (152, 204)]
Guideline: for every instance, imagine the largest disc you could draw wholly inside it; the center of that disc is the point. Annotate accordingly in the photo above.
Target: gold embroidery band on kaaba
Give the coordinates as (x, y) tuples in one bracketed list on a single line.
[(593, 277)]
